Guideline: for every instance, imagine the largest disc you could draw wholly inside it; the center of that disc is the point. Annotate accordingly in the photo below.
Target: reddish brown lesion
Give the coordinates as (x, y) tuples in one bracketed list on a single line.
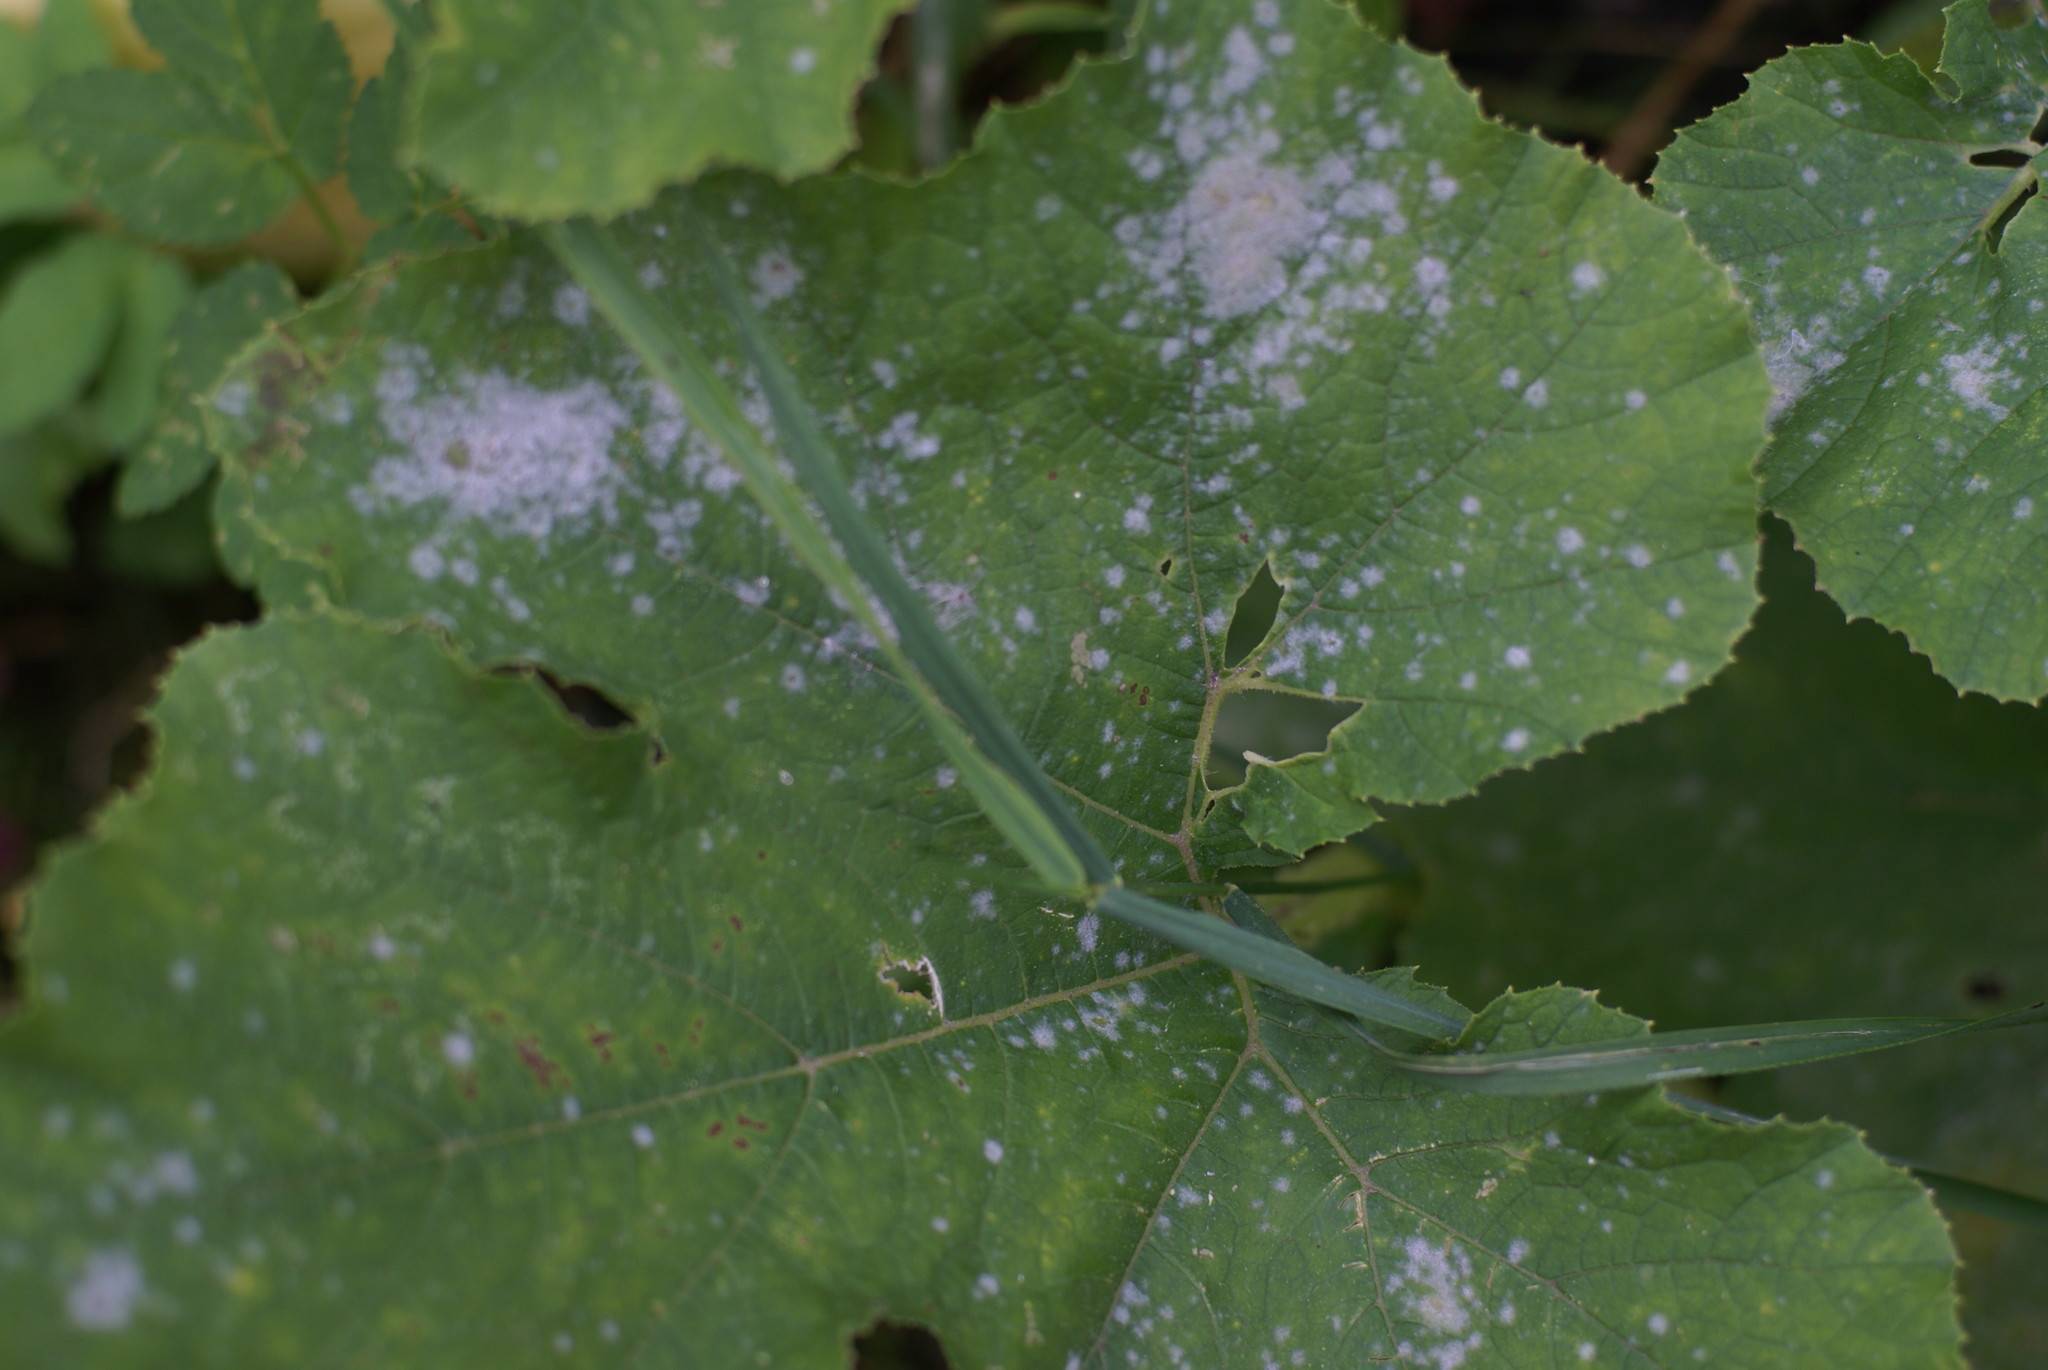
[(537, 1063)]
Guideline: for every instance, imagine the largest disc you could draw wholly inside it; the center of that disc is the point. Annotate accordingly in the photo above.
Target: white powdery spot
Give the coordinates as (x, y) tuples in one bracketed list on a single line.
[(572, 306), (1517, 658), (1243, 66), (518, 458), (992, 1151), (2022, 508), (982, 904), (803, 61), (1436, 1290), (1680, 672), (458, 1050), (1089, 931), (1537, 395), (1794, 357), (776, 276), (1245, 220), (643, 1136), (1587, 277), (103, 1297), (1972, 374), (1570, 540), (1517, 740), (1659, 1324)]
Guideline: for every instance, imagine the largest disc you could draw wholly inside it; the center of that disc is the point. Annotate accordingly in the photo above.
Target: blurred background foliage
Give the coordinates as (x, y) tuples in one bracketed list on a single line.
[(1824, 829)]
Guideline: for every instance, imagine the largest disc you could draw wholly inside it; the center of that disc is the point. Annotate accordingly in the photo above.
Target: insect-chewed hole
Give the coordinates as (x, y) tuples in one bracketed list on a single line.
[(1272, 727), (2010, 14), (1252, 618), (1995, 234), (892, 1345), (915, 980), (1984, 987), (586, 704), (2009, 157)]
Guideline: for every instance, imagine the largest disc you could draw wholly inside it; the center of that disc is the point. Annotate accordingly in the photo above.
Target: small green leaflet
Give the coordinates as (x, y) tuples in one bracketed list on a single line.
[(1869, 214), (58, 314), (425, 994), (246, 118), (539, 110), (65, 39), (215, 323), (82, 341), (1825, 829)]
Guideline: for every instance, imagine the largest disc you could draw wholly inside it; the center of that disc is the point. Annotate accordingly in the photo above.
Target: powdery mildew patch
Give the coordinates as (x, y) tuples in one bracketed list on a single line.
[(518, 459)]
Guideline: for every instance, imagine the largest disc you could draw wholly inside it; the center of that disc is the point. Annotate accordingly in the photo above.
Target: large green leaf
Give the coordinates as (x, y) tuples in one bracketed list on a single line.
[(541, 110), (396, 994), (1824, 829), (1900, 306), (1090, 381), (245, 119)]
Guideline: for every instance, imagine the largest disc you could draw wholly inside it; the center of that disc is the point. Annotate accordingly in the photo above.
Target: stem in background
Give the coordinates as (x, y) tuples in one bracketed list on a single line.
[(345, 253), (1635, 142), (935, 82)]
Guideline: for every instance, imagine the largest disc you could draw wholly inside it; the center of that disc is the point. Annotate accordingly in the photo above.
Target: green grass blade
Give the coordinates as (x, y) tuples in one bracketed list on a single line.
[(1280, 964), (1658, 1057)]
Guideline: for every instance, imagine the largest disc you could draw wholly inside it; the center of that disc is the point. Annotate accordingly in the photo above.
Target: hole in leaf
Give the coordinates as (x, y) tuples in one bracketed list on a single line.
[(890, 1345), (585, 703), (1166, 566), (916, 980), (2010, 14), (1985, 987), (1272, 726), (1253, 617), (2008, 157), (1995, 233)]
